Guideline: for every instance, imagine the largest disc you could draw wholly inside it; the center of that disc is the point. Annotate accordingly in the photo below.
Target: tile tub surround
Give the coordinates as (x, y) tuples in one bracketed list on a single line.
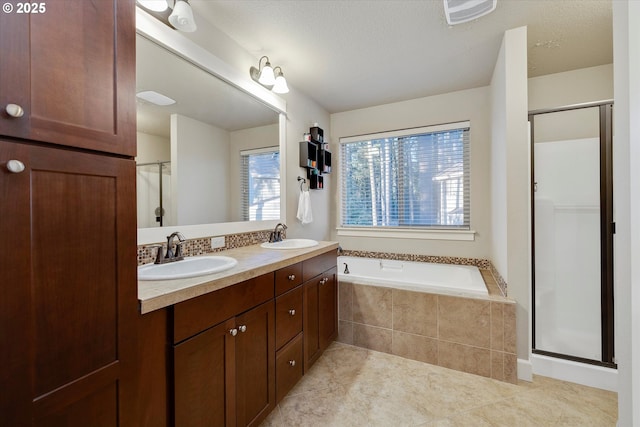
[(482, 264), (354, 387), (474, 335), (202, 246)]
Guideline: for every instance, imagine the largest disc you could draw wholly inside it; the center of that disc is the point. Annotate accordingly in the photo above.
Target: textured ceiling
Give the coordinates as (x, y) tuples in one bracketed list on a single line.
[(352, 54)]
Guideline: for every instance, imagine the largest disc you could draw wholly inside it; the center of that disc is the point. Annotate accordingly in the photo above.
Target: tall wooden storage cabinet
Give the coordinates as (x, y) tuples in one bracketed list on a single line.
[(68, 299)]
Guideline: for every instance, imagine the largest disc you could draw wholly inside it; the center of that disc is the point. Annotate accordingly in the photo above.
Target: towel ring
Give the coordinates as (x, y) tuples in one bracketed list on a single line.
[(302, 182)]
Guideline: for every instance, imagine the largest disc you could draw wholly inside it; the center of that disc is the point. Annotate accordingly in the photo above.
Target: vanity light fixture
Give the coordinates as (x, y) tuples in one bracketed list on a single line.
[(182, 17), (280, 86), (175, 13), (268, 77)]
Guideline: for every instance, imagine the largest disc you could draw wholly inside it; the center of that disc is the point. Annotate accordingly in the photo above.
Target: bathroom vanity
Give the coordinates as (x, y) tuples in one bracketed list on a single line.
[(223, 349)]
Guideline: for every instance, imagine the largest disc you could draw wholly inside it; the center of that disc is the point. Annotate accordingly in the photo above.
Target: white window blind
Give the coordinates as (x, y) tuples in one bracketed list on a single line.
[(405, 179), (260, 171)]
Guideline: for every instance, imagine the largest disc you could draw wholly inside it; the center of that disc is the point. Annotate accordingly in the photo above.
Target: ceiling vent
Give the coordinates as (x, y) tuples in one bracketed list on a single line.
[(459, 11)]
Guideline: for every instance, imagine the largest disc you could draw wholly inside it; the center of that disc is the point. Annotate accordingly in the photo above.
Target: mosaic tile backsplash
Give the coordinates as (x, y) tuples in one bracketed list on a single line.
[(202, 246)]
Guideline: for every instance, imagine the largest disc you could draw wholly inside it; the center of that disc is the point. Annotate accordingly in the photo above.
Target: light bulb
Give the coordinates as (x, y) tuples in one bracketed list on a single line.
[(280, 85), (267, 78), (182, 17)]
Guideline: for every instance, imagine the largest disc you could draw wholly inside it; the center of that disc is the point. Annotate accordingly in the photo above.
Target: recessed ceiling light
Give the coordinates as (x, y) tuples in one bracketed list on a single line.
[(155, 98)]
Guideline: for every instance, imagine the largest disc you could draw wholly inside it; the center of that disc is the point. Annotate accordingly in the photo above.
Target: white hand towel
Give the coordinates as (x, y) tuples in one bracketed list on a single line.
[(304, 208)]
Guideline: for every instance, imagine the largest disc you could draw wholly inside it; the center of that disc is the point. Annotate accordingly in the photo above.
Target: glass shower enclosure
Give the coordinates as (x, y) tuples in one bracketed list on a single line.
[(572, 233), (153, 182)]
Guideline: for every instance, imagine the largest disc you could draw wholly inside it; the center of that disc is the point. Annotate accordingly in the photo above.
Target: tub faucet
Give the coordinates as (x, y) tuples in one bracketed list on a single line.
[(276, 234), (346, 268)]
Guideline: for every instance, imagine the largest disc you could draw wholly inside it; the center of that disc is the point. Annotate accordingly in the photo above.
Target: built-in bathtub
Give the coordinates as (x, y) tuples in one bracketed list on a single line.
[(446, 279), (441, 314)]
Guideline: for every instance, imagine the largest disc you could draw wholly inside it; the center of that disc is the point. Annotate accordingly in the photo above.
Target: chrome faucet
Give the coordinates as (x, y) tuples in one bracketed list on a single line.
[(170, 255), (276, 234)]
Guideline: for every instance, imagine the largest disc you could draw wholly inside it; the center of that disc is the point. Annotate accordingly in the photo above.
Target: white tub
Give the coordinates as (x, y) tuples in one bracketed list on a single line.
[(413, 276)]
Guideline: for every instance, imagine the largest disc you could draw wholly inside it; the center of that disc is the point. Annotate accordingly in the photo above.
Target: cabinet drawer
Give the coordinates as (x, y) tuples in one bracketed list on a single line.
[(288, 278), (195, 315), (288, 367), (288, 316), (317, 265)]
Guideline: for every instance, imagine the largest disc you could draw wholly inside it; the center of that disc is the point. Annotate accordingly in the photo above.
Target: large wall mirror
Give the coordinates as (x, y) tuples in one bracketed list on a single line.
[(208, 163)]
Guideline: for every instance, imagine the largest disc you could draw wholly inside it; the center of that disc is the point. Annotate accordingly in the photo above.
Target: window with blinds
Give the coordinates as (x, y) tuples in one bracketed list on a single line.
[(260, 171), (407, 179)]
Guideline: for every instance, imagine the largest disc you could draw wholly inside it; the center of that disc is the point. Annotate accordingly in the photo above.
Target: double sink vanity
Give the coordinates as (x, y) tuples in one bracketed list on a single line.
[(224, 347)]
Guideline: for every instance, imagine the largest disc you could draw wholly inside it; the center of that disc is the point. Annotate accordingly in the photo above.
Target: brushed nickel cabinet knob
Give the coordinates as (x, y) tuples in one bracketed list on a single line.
[(14, 110), (15, 166)]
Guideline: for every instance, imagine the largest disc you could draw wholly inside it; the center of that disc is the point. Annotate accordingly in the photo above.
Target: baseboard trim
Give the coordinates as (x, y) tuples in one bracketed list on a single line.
[(525, 370), (575, 372)]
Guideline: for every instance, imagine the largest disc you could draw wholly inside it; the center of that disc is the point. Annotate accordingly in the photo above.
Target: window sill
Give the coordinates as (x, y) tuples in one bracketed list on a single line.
[(403, 233)]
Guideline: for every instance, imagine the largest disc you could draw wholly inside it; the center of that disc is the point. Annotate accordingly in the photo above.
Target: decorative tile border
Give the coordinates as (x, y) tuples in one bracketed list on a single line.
[(477, 262), (502, 284), (193, 247)]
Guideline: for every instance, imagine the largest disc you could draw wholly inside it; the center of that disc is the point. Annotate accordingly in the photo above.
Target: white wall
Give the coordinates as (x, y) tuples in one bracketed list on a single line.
[(152, 148), (511, 251), (571, 87), (302, 113), (451, 107), (498, 165), (199, 171), (246, 139), (626, 171)]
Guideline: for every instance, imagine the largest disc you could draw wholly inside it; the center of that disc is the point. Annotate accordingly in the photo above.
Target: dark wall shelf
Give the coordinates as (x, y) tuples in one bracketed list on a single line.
[(315, 158)]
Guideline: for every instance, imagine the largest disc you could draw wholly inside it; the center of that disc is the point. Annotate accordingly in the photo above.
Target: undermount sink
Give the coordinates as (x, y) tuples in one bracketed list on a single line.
[(188, 267), (290, 244)]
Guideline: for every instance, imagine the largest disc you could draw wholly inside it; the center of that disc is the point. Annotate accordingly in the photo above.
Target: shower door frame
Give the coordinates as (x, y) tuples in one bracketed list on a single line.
[(161, 165), (607, 230)]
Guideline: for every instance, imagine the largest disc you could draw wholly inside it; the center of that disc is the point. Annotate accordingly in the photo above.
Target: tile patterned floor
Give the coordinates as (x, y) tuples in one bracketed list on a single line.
[(352, 386)]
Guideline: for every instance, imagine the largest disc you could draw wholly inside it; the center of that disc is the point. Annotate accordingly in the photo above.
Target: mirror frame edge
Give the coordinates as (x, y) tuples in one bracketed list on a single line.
[(150, 28)]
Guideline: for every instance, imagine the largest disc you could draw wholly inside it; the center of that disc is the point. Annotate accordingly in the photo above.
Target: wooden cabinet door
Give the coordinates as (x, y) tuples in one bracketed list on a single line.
[(68, 305), (255, 364), (204, 370), (328, 312), (310, 319), (71, 67), (320, 320)]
